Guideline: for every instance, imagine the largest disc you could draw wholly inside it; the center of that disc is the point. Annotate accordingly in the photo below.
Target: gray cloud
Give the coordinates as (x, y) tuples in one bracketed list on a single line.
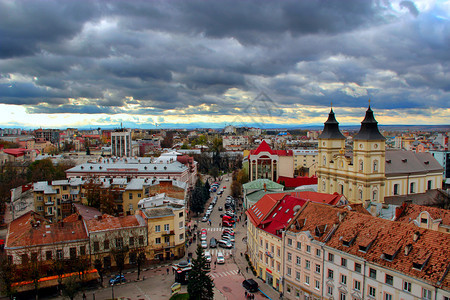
[(168, 55)]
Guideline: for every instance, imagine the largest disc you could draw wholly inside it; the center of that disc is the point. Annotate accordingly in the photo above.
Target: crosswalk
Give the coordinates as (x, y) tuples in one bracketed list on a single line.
[(224, 251), (211, 229), (224, 274)]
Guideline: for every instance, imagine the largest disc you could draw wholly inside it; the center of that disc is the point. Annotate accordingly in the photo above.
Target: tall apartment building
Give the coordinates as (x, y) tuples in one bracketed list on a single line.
[(121, 142)]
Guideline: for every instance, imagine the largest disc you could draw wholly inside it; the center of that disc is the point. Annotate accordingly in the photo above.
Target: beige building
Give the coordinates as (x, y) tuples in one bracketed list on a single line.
[(369, 171), (166, 231), (305, 162)]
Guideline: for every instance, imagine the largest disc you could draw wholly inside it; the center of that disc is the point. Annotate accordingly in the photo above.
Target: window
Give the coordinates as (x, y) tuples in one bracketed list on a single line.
[(141, 240), (157, 228), (389, 279), (267, 246), (372, 291), (330, 290), (299, 245), (361, 165), (307, 264), (307, 280), (167, 239), (412, 188), (278, 267), (343, 279), (407, 286), (96, 246), (423, 220), (59, 254), (357, 267), (289, 256), (131, 241), (289, 271), (342, 296), (373, 273), (297, 276), (130, 196), (288, 289), (82, 250), (24, 259), (166, 227), (396, 188), (308, 248), (343, 262), (374, 195), (278, 252), (429, 184), (139, 195), (375, 166), (181, 236), (181, 225), (119, 242), (290, 242), (133, 257), (34, 256), (317, 268), (73, 253), (330, 257), (426, 294), (180, 214), (387, 296), (299, 260), (317, 284), (330, 274), (158, 240), (48, 255), (318, 252), (357, 285)]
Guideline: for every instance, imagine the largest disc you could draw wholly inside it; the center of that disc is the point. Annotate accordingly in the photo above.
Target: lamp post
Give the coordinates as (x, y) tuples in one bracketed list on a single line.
[(112, 291)]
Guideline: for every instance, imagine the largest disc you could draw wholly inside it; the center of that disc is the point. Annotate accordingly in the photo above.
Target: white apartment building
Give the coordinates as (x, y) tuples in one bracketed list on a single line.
[(121, 143)]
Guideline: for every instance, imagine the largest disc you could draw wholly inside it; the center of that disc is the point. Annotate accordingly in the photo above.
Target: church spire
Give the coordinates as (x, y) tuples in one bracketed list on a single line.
[(331, 128), (369, 128)]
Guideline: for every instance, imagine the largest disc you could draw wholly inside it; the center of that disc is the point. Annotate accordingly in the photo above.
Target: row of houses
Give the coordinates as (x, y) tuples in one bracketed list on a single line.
[(311, 250), (157, 230)]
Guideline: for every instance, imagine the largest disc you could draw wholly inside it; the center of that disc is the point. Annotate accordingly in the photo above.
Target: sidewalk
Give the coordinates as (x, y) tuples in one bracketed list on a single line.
[(241, 262)]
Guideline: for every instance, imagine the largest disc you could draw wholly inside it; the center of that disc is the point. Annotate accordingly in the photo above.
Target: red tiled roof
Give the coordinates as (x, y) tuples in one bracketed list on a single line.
[(393, 238), (297, 181), (263, 147), (331, 199), (281, 215), (258, 211), (107, 222), (32, 230), (409, 212), (16, 152)]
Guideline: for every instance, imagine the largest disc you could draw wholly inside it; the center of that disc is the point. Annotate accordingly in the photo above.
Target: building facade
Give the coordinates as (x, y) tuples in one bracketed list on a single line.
[(121, 143)]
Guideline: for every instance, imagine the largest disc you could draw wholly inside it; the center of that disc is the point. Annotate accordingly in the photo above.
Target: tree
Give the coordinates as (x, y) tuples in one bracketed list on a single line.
[(71, 287), (200, 285), (58, 268), (99, 266), (7, 276), (139, 254)]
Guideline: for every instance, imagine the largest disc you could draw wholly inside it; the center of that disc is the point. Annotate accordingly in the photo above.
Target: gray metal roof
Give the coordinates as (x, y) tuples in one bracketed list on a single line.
[(173, 167), (408, 162), (369, 128)]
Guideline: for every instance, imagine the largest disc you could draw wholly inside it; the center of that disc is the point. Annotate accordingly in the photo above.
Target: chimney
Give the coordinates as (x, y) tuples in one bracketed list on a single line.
[(408, 249), (265, 187)]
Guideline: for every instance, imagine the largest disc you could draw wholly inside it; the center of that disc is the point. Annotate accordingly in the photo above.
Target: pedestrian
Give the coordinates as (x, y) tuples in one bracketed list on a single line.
[(239, 271), (167, 271), (246, 294), (220, 224), (246, 269)]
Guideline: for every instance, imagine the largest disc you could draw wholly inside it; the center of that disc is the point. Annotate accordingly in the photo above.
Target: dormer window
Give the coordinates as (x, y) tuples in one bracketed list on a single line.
[(420, 264), (424, 220)]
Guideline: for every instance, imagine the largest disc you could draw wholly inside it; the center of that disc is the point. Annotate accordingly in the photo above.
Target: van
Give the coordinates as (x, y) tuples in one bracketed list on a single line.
[(250, 285)]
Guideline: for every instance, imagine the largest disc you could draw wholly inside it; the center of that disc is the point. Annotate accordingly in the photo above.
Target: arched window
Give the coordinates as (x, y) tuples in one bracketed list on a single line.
[(375, 165), (323, 186), (360, 194), (374, 195), (361, 165), (324, 160)]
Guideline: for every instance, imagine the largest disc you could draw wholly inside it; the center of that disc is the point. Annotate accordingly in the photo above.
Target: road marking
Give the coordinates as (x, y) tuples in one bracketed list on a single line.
[(224, 274)]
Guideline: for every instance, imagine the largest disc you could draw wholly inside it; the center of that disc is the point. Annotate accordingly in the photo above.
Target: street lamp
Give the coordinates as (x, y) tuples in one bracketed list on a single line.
[(112, 290)]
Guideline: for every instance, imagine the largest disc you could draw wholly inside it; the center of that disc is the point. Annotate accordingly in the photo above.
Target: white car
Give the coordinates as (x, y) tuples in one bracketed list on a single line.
[(208, 256), (220, 258), (204, 244), (203, 237)]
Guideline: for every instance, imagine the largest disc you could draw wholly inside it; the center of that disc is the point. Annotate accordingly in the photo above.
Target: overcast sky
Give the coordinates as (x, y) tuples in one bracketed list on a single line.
[(97, 63)]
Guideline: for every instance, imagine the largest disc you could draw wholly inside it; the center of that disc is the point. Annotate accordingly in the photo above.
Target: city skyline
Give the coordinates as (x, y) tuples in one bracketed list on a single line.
[(209, 64)]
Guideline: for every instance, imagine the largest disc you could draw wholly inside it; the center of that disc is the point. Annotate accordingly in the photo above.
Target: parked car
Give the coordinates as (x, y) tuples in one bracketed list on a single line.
[(212, 243), (250, 285), (117, 279), (204, 219), (225, 244), (203, 237), (220, 258), (228, 233), (220, 208), (219, 192), (228, 230), (208, 256), (227, 224), (204, 244), (227, 237)]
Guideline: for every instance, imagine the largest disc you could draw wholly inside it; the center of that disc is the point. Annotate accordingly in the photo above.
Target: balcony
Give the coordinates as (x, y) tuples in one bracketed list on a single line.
[(49, 213), (168, 232), (169, 245), (50, 203)]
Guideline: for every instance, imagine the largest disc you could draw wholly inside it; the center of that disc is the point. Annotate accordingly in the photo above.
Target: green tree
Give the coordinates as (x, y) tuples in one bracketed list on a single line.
[(200, 285), (71, 287), (99, 266), (7, 276)]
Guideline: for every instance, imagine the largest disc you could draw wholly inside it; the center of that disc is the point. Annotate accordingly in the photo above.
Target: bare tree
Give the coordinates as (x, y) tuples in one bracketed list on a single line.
[(7, 276)]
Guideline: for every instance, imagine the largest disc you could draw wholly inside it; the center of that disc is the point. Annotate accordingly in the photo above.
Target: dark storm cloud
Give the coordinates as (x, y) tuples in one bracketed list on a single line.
[(171, 55)]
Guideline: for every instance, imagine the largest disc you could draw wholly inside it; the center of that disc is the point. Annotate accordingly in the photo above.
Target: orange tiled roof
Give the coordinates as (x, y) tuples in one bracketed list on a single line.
[(409, 212), (385, 243), (107, 222), (32, 230)]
